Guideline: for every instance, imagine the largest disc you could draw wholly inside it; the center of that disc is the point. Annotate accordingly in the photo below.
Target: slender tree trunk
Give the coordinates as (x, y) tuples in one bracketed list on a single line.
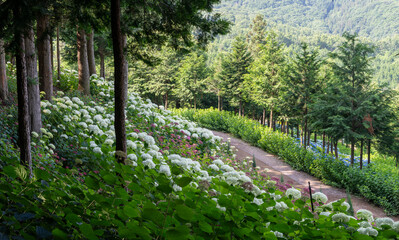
[(274, 125), (83, 64), (23, 108), (315, 137), (44, 55), (297, 132), (352, 151), (90, 53), (324, 142), (332, 144), (240, 109), (368, 151), (271, 117), (166, 100), (3, 73), (361, 153), (33, 82), (292, 131), (102, 65), (58, 54), (301, 138), (264, 116), (336, 149), (52, 53), (120, 81), (309, 134)]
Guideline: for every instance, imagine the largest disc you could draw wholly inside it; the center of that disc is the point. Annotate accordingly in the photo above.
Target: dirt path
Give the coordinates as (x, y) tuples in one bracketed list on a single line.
[(296, 178)]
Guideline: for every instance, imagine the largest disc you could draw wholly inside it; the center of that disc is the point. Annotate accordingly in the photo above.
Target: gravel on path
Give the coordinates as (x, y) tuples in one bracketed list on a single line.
[(298, 179)]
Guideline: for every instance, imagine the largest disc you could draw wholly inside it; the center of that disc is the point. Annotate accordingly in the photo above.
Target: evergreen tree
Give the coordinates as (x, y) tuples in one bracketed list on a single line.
[(257, 35), (265, 74), (352, 69), (304, 83)]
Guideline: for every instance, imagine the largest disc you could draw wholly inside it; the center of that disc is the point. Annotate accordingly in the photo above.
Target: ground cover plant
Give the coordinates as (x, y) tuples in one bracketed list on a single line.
[(377, 182), (180, 182)]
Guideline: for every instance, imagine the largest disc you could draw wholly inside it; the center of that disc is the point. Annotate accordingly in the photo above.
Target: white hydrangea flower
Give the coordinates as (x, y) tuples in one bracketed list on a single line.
[(325, 214), (364, 224), (395, 226), (368, 231), (97, 150), (213, 167), (109, 142), (35, 134), (294, 193), (164, 168), (365, 215), (51, 146), (176, 188), (227, 168), (340, 217), (257, 201), (270, 183), (149, 163), (281, 206), (320, 197), (384, 221), (218, 162), (130, 144)]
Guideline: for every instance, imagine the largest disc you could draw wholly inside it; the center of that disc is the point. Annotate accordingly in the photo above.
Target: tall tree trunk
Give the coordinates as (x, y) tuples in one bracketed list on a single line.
[(315, 137), (44, 54), (120, 81), (328, 145), (336, 149), (240, 109), (368, 151), (332, 144), (83, 64), (305, 126), (52, 53), (166, 100), (352, 151), (361, 153), (102, 65), (274, 125), (301, 137), (309, 134), (3, 73), (58, 54), (324, 141), (33, 82), (23, 108), (292, 131), (297, 132), (264, 116), (90, 53), (271, 117)]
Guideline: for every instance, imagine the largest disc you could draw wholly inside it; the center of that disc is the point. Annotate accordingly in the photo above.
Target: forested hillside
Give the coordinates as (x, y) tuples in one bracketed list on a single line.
[(321, 23)]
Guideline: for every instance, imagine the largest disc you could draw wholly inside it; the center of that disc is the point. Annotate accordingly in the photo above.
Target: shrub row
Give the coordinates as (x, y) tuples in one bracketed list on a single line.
[(380, 188)]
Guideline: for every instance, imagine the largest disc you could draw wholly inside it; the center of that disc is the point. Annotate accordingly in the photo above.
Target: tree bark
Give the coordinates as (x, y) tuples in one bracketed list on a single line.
[(58, 54), (332, 144), (324, 141), (361, 153), (83, 64), (166, 100), (336, 149), (297, 131), (271, 117), (102, 65), (52, 53), (309, 134), (120, 81), (33, 82), (3, 73), (90, 53), (315, 137), (368, 151), (264, 116), (44, 54), (352, 151), (23, 109)]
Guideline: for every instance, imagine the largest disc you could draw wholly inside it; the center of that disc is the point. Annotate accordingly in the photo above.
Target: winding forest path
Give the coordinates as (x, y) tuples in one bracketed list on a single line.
[(296, 178)]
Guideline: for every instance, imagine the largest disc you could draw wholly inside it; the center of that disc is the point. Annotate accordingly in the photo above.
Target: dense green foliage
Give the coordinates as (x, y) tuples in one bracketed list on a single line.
[(321, 23), (378, 182)]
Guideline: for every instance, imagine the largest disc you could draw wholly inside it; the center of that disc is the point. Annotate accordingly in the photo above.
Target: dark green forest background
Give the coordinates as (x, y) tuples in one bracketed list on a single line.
[(321, 23)]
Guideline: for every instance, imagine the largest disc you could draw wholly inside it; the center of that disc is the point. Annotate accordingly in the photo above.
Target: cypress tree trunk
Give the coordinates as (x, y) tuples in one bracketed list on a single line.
[(3, 73), (23, 109), (271, 117), (292, 131), (90, 53), (274, 125), (301, 139), (297, 131), (352, 151), (361, 153), (83, 64), (264, 116), (332, 144), (58, 54), (120, 81), (166, 100), (309, 134), (102, 65), (368, 151), (44, 55), (336, 149), (324, 141), (33, 84), (240, 108), (315, 137)]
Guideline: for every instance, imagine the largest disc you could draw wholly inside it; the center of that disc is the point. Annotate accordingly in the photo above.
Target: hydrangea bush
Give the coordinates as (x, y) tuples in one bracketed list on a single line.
[(179, 182)]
